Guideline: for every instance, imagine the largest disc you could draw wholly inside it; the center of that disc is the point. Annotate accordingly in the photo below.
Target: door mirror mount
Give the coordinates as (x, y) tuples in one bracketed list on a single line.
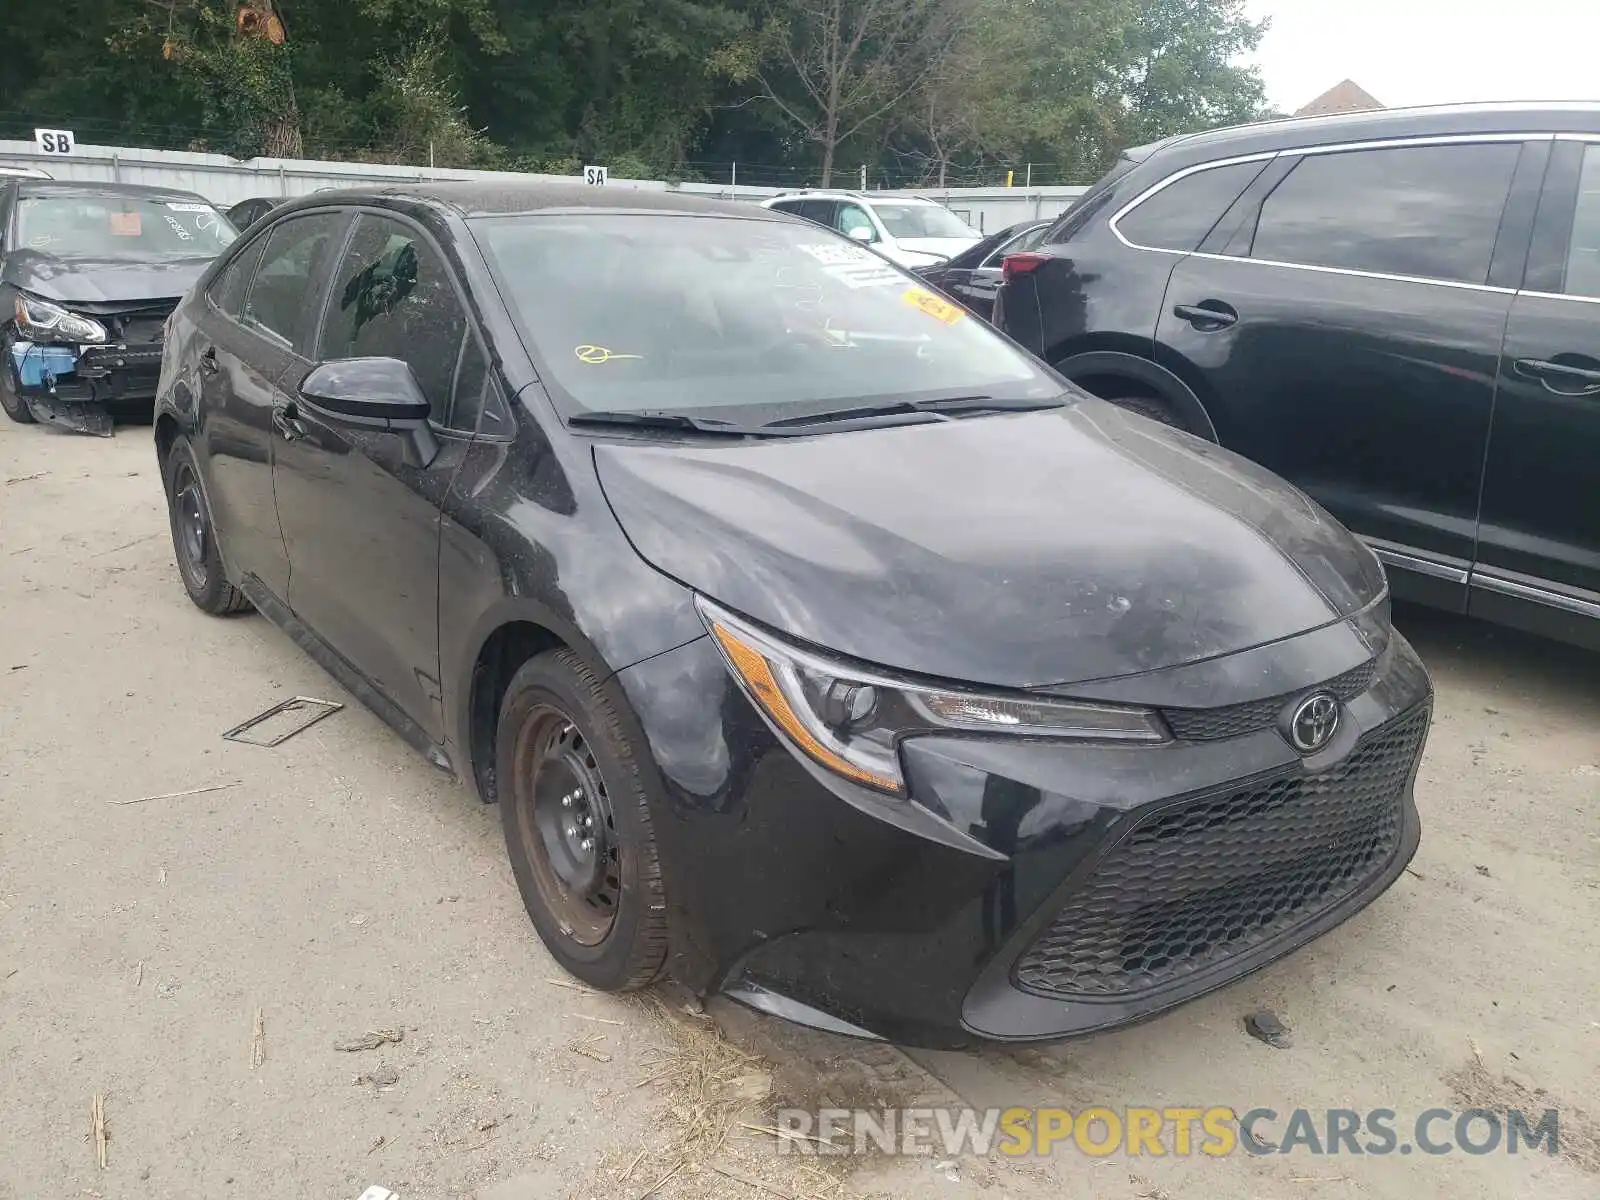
[(862, 233), (372, 394)]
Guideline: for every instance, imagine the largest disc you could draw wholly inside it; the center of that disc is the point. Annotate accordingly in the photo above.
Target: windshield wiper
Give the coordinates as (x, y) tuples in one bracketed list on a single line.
[(672, 422), (940, 408)]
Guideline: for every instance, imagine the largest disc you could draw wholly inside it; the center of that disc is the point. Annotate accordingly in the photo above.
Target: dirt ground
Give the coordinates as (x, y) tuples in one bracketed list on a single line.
[(194, 960)]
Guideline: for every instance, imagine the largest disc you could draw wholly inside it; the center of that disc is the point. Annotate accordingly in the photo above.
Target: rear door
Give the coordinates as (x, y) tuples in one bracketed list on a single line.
[(257, 309), (360, 519), (1344, 331), (1539, 540)]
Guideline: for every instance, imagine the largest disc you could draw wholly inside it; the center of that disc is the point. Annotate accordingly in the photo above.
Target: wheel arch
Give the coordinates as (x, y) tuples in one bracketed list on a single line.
[(1091, 369)]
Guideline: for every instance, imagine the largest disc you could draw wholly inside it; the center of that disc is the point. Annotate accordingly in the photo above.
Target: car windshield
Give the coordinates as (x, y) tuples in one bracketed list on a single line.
[(922, 221), (99, 225), (683, 314)]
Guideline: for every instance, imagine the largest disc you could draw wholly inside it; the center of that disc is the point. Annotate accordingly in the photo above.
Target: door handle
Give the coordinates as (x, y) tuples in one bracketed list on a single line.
[(1207, 316), (1553, 373), (208, 360), (287, 423)]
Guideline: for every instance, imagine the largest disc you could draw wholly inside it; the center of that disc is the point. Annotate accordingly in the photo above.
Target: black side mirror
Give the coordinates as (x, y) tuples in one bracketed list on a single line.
[(374, 394)]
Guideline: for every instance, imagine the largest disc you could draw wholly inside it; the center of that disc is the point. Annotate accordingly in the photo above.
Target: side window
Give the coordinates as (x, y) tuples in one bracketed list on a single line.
[(1583, 256), (820, 211), (1179, 216), (228, 289), (852, 217), (392, 297), (1428, 211), (280, 301)]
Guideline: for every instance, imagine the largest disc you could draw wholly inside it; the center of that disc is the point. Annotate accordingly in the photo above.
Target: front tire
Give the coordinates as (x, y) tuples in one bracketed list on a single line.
[(194, 538), (577, 824), (11, 400)]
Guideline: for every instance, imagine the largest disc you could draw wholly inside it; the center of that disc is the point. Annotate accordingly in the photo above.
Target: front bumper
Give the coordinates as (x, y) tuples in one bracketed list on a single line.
[(76, 386), (1030, 889)]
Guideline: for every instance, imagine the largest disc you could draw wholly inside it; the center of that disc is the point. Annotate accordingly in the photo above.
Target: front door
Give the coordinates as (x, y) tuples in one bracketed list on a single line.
[(1348, 337), (1539, 543), (361, 517)]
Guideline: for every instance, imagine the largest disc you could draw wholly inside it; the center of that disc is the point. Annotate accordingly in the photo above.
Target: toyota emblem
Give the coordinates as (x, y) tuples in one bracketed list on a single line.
[(1314, 722)]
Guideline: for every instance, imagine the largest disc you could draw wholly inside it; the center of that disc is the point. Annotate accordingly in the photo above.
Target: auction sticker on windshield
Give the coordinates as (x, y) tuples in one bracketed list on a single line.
[(935, 306), (851, 265), (184, 206)]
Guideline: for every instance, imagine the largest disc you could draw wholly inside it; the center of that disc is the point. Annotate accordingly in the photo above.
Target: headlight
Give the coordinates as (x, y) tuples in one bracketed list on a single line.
[(41, 321), (852, 720)]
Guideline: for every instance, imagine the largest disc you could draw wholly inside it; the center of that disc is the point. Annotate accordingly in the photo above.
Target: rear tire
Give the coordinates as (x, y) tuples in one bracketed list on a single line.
[(194, 537), (11, 400), (568, 774)]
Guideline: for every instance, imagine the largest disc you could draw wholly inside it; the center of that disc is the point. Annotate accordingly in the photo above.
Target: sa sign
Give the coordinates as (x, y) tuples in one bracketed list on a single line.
[(595, 176), (53, 141)]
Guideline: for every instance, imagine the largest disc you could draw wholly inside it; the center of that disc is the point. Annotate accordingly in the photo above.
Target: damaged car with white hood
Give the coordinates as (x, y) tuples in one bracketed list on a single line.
[(89, 274)]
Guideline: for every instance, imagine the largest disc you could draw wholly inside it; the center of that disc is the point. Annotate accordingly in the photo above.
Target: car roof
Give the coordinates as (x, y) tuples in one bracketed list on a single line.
[(508, 198), (1379, 125), (64, 187), (13, 172)]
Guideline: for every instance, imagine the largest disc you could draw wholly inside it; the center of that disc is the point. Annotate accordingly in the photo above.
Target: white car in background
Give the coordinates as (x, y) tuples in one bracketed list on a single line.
[(907, 230)]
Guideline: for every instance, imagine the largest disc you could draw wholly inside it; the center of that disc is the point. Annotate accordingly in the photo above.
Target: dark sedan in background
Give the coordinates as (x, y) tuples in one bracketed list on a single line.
[(974, 276), (1398, 311), (820, 647), (89, 273)]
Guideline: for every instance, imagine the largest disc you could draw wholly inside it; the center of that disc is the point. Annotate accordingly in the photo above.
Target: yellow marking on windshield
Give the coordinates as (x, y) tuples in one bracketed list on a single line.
[(936, 307), (599, 354)]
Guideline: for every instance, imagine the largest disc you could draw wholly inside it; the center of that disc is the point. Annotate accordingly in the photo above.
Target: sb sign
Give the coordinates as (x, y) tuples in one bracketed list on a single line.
[(595, 176), (54, 141)]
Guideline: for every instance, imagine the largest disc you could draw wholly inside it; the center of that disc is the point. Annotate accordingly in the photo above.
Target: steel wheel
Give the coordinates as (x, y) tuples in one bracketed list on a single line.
[(191, 524), (568, 831)]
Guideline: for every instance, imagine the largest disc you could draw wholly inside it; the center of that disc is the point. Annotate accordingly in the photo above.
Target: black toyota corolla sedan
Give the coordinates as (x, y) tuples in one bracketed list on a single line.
[(820, 647)]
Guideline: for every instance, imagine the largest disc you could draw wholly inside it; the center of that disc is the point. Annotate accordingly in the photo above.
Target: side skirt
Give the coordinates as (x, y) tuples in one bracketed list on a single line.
[(335, 664)]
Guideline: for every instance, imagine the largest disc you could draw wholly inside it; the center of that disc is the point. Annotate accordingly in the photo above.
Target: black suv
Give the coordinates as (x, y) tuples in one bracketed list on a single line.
[(1395, 310)]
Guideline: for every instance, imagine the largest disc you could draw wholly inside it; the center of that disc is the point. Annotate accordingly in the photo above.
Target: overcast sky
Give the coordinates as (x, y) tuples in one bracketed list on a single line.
[(1431, 51)]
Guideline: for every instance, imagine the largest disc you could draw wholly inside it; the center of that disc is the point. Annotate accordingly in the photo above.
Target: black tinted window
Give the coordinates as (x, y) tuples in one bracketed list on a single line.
[(393, 298), (820, 211), (1583, 257), (1179, 216), (228, 289), (471, 384), (281, 301), (1430, 211)]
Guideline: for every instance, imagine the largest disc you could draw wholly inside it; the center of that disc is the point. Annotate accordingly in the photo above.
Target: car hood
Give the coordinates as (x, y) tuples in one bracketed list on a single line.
[(101, 280), (1018, 551), (946, 247)]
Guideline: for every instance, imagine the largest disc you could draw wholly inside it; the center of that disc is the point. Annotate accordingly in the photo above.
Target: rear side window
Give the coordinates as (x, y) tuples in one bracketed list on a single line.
[(1426, 211), (228, 289), (1179, 216), (392, 297), (281, 302), (1583, 256)]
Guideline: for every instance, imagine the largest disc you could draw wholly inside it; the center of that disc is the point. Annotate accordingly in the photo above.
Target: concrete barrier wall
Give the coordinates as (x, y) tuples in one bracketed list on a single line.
[(226, 181)]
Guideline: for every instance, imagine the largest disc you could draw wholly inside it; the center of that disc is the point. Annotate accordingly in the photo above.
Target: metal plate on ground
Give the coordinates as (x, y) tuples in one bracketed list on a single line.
[(282, 721)]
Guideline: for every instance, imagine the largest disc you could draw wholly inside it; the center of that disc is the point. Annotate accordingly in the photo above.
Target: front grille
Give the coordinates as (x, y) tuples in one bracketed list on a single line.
[(1235, 720), (1197, 884)]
